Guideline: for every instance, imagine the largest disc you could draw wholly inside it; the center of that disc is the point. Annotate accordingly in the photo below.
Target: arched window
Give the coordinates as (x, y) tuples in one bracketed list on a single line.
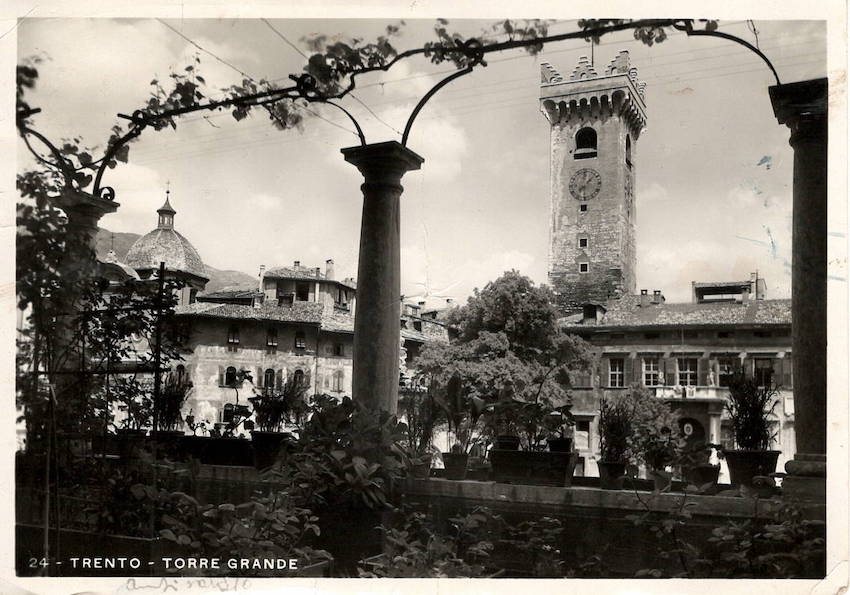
[(268, 381), (230, 376), (298, 378), (181, 373), (585, 143), (628, 150)]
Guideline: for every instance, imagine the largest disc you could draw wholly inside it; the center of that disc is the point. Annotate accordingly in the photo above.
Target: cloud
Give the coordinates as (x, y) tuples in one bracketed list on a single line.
[(140, 191)]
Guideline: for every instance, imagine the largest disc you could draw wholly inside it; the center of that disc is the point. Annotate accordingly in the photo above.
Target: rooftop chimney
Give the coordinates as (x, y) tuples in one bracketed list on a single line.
[(657, 298), (745, 296), (297, 263), (329, 269), (318, 272), (262, 274), (644, 298)]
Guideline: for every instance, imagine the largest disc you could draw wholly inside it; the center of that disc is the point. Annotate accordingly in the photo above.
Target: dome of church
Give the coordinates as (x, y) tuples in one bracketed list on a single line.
[(165, 244)]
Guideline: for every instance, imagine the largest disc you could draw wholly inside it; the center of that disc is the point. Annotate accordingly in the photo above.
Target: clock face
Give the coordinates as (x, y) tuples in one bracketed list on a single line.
[(585, 184)]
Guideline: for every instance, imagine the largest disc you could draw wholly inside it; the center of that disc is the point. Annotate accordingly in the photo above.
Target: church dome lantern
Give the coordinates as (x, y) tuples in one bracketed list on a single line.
[(165, 244)]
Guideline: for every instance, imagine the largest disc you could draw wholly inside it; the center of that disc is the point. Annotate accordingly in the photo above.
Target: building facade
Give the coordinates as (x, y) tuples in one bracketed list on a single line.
[(296, 322), (684, 353)]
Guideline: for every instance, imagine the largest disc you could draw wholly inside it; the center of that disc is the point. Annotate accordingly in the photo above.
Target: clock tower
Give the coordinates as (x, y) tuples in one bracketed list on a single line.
[(595, 120)]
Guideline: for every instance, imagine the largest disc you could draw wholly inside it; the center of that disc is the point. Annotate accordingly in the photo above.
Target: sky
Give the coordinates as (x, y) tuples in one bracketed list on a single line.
[(713, 168)]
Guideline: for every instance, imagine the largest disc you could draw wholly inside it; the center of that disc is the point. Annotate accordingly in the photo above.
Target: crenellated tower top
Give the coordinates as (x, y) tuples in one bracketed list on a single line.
[(589, 96)]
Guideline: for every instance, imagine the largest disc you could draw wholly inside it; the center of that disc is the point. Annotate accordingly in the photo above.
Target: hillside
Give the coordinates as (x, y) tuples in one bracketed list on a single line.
[(219, 279)]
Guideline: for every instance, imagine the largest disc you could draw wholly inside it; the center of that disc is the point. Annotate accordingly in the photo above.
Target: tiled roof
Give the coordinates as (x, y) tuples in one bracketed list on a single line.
[(231, 293), (702, 284), (168, 246), (627, 311), (413, 335), (306, 312), (301, 273), (338, 323)]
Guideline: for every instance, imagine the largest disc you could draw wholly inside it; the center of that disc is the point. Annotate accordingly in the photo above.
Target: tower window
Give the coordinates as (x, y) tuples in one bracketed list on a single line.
[(583, 207), (585, 143), (582, 242), (583, 267), (628, 150)]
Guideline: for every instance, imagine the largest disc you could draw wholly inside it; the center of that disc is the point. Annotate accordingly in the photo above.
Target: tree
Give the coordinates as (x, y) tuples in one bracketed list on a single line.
[(509, 348)]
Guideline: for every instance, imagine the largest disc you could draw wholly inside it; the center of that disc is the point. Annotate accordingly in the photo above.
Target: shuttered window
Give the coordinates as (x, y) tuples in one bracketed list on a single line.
[(651, 371), (271, 340), (616, 372), (687, 368), (268, 381), (233, 338), (338, 379), (763, 371)]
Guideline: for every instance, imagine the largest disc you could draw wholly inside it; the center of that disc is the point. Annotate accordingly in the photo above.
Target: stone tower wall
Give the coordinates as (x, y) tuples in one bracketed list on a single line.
[(612, 105)]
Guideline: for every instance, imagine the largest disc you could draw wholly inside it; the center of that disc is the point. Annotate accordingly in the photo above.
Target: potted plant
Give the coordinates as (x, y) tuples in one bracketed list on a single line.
[(500, 424), (137, 406), (652, 441), (615, 428), (532, 465), (750, 408), (272, 410), (559, 424), (417, 406), (696, 468), (463, 413), (173, 394)]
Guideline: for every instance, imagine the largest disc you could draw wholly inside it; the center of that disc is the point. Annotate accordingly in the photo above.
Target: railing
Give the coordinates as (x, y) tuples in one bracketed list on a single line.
[(690, 392)]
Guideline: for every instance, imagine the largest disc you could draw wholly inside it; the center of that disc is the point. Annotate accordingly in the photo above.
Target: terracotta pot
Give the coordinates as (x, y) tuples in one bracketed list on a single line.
[(661, 480), (611, 475), (168, 443), (560, 444), (130, 442), (746, 464), (421, 470), (703, 475), (506, 442), (267, 447), (455, 465), (218, 451), (533, 468)]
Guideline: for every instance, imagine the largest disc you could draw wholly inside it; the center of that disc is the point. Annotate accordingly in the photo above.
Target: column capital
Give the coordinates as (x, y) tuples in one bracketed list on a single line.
[(801, 100), (84, 205), (382, 162)]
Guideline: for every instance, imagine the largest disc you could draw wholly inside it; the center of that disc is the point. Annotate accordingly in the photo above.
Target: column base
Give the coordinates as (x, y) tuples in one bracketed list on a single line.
[(805, 479)]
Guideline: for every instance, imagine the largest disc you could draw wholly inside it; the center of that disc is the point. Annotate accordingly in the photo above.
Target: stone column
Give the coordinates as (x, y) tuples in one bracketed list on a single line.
[(802, 106), (84, 212), (376, 323)]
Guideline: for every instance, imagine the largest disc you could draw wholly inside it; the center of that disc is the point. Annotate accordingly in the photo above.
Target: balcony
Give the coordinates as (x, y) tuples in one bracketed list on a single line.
[(691, 392)]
